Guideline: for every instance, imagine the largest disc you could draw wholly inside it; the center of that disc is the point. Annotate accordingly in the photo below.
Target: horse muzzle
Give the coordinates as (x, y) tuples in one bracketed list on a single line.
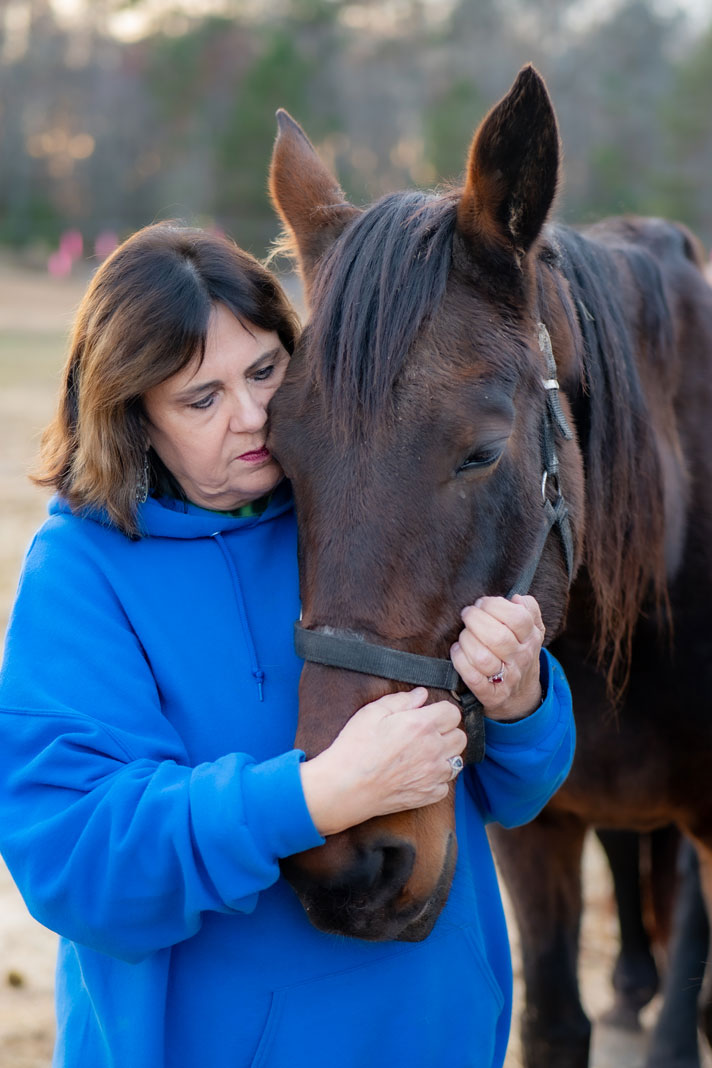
[(370, 896)]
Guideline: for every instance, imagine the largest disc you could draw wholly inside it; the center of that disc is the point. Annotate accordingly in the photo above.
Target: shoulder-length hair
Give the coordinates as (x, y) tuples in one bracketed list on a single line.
[(144, 318)]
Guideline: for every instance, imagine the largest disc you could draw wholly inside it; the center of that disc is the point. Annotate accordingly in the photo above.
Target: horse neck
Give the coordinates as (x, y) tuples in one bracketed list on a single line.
[(601, 293)]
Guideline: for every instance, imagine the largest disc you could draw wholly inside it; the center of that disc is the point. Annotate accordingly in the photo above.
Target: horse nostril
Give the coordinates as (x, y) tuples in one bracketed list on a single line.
[(397, 864), (382, 871)]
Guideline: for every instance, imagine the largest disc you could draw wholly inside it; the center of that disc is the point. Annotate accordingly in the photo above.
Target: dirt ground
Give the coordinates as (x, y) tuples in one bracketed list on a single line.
[(35, 313)]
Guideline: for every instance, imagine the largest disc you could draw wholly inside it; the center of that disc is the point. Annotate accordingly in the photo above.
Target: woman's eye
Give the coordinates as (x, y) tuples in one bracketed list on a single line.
[(480, 459), (264, 373), (204, 402)]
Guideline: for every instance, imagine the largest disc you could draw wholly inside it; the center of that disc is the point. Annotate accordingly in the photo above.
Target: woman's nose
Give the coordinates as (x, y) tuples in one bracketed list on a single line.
[(248, 414)]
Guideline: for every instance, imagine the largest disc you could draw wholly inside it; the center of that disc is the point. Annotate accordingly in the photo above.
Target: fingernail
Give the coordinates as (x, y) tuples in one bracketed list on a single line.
[(478, 602), (454, 649)]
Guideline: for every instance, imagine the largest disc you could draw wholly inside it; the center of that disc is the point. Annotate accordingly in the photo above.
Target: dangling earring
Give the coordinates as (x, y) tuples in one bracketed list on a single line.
[(142, 485)]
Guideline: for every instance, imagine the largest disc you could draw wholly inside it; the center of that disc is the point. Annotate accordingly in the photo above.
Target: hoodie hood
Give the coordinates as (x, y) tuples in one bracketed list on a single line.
[(164, 517)]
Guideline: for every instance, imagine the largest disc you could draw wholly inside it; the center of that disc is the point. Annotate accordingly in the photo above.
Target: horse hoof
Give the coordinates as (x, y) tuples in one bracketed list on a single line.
[(635, 980), (623, 1016), (571, 1051)]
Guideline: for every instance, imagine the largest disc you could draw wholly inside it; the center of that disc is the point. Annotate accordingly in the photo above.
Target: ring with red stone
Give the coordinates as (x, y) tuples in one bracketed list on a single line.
[(498, 675)]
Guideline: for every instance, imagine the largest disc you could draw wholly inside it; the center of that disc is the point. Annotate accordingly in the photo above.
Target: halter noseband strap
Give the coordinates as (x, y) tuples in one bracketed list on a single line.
[(344, 649)]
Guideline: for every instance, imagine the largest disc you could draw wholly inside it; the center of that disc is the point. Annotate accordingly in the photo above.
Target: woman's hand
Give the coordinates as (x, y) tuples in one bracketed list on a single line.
[(392, 755), (501, 638)]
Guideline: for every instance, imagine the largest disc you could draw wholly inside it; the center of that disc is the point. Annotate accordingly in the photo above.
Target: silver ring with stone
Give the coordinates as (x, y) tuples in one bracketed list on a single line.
[(457, 764), (498, 675)]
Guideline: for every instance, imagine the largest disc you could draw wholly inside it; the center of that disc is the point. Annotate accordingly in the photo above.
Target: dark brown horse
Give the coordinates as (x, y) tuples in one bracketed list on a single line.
[(411, 424)]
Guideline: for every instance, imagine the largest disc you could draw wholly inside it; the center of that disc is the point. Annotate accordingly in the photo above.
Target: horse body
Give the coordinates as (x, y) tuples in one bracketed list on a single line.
[(416, 459), (642, 763)]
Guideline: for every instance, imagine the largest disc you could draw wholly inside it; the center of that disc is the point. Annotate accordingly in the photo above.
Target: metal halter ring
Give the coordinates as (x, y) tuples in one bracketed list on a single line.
[(498, 675), (457, 764)]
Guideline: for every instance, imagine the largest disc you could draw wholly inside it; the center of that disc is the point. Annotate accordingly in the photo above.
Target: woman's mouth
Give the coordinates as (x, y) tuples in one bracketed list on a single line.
[(256, 456)]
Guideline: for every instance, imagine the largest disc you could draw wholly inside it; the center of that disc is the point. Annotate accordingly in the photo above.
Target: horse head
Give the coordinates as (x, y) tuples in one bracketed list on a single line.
[(410, 425)]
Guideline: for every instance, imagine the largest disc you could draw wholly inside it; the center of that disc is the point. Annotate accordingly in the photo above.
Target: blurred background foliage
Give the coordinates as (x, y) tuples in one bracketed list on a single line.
[(105, 130)]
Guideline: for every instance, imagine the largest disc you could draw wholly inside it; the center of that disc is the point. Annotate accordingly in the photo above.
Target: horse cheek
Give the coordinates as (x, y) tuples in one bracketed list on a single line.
[(328, 698)]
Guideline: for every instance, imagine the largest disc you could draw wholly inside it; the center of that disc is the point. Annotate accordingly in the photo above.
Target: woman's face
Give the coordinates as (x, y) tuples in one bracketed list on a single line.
[(208, 422)]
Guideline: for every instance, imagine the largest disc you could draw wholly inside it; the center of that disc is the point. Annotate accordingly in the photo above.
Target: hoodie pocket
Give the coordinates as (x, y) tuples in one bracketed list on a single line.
[(434, 1004)]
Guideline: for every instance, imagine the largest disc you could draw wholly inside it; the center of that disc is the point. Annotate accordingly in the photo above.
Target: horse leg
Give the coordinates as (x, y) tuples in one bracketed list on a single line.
[(674, 1042), (635, 975), (664, 850), (704, 856), (541, 865)]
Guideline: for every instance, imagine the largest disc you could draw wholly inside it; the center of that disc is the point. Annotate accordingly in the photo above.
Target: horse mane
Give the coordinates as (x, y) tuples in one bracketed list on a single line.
[(375, 290), (625, 522)]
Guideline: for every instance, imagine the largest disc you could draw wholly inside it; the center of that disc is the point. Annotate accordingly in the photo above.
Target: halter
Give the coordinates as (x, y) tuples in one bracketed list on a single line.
[(344, 649)]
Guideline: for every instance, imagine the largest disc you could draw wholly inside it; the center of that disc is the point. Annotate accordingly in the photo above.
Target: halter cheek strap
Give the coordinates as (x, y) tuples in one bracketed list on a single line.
[(345, 649)]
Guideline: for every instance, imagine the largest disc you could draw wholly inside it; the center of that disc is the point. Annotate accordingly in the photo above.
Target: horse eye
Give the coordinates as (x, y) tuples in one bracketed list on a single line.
[(482, 458)]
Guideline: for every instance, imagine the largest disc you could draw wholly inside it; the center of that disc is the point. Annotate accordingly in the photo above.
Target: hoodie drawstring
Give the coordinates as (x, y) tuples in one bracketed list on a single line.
[(257, 672)]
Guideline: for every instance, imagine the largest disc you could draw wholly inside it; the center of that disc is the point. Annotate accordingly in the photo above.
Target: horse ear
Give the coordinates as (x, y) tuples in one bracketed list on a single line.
[(512, 170), (306, 195)]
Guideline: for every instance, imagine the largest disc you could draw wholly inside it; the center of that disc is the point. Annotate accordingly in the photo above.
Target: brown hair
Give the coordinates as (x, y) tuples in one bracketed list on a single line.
[(144, 318)]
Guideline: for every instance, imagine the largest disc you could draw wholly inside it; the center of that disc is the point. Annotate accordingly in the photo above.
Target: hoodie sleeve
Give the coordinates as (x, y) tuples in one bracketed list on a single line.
[(527, 761), (113, 839)]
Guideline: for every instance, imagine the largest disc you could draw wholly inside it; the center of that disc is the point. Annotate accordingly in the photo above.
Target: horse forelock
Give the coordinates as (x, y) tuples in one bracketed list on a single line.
[(625, 523), (376, 289)]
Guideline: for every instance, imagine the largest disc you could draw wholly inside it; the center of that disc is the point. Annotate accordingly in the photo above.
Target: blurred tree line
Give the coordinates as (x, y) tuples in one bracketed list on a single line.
[(98, 133)]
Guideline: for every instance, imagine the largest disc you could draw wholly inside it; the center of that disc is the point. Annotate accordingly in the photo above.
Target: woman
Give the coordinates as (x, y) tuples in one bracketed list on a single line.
[(149, 691)]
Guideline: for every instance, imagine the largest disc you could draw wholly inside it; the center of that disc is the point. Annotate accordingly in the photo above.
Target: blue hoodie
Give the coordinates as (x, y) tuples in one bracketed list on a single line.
[(149, 788)]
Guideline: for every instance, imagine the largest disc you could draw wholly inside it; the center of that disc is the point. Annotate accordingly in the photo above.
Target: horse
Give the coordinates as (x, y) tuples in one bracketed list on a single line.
[(484, 400)]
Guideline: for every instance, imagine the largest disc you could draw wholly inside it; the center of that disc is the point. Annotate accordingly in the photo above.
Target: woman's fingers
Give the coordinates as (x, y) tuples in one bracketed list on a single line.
[(497, 631), (393, 754), (497, 620), (532, 606), (454, 742), (484, 657), (444, 715), (398, 702), (497, 654), (478, 668)]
